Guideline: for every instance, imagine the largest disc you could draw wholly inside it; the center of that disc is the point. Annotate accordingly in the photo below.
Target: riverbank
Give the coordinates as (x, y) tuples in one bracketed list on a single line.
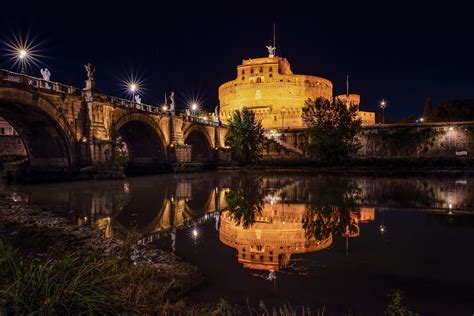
[(102, 275), (368, 166)]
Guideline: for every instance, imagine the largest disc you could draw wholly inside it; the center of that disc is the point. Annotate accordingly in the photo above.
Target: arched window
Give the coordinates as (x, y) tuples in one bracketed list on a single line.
[(243, 72), (270, 69), (259, 80), (251, 71), (243, 78), (261, 69)]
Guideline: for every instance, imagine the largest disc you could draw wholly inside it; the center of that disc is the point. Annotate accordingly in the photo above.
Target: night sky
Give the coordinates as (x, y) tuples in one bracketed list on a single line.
[(400, 51)]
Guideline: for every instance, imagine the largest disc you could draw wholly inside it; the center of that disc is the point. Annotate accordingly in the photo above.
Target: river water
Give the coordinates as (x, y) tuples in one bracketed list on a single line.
[(340, 242)]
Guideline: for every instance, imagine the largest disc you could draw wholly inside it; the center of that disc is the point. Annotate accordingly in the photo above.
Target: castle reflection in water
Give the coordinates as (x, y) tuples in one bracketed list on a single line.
[(265, 218)]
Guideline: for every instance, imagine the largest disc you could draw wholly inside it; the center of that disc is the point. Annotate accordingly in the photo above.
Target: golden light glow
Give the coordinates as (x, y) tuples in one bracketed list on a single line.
[(23, 52), (274, 93)]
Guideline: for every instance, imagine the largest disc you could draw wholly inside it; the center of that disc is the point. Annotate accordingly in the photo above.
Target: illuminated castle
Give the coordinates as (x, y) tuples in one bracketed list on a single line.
[(270, 89)]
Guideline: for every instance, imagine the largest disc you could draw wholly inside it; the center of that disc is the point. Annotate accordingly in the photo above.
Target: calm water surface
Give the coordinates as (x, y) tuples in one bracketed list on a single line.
[(337, 241)]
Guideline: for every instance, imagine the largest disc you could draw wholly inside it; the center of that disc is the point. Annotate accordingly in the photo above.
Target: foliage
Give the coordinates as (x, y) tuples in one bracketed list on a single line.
[(121, 152), (332, 129), (65, 286), (90, 283), (428, 109), (396, 307), (245, 136), (245, 200), (454, 111)]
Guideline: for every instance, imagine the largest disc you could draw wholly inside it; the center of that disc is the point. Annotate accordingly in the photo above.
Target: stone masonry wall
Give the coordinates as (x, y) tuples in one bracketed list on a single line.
[(431, 140), (11, 145)]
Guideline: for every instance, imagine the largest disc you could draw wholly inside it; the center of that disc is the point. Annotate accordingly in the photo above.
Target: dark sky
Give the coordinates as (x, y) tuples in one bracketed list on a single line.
[(400, 51)]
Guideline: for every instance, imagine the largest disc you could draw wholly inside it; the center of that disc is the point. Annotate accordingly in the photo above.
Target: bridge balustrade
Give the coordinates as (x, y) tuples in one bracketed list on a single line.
[(38, 83)]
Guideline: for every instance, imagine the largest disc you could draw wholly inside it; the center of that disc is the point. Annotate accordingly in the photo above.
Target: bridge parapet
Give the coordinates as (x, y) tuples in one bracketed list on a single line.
[(24, 80)]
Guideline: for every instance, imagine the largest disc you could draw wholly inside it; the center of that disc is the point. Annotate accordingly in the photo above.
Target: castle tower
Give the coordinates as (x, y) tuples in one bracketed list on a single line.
[(270, 89)]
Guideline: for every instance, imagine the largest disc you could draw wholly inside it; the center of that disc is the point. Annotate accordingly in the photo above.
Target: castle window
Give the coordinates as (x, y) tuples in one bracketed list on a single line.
[(261, 69), (261, 258), (251, 71), (243, 72), (243, 78), (271, 75), (270, 69), (259, 80)]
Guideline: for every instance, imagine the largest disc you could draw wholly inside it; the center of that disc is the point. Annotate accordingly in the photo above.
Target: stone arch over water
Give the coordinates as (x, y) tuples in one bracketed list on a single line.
[(48, 139)]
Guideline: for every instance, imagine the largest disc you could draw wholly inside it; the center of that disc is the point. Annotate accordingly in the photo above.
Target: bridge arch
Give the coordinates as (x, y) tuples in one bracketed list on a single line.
[(48, 138), (198, 137), (145, 141)]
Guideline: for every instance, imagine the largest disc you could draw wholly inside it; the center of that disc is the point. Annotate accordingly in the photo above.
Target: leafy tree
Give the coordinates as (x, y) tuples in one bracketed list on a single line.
[(454, 111), (428, 110), (245, 136), (332, 129)]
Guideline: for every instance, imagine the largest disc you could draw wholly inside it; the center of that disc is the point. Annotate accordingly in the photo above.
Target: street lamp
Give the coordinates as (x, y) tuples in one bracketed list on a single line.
[(194, 107), (133, 88), (22, 58), (383, 105)]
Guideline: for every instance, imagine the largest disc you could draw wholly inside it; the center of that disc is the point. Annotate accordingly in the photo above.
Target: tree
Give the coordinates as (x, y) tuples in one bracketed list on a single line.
[(245, 136), (332, 129), (428, 110)]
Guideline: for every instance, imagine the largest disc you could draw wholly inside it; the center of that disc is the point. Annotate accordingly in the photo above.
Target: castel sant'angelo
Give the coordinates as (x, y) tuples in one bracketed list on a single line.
[(269, 88)]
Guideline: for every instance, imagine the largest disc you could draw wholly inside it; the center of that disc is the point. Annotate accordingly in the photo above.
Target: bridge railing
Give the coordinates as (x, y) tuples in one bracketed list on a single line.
[(134, 105), (37, 83)]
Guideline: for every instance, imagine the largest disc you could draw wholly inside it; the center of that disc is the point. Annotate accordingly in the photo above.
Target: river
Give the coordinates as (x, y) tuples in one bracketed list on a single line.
[(339, 241)]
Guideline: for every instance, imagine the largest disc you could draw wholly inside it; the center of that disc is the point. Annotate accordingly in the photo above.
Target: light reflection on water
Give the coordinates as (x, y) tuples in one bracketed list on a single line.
[(283, 237)]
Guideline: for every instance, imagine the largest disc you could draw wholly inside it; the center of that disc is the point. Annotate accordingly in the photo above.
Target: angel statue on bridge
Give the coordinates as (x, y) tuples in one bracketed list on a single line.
[(217, 119), (138, 99), (45, 73), (90, 71), (172, 104)]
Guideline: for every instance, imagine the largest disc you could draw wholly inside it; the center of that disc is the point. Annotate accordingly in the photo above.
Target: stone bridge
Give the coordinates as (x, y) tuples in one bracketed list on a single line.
[(66, 129)]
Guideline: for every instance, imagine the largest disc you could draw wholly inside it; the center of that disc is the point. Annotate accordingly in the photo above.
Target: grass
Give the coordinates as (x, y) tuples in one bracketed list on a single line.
[(77, 284)]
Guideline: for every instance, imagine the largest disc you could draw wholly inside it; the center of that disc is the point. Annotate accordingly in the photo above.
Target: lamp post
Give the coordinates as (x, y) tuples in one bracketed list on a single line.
[(133, 88), (194, 107), (383, 105), (22, 59)]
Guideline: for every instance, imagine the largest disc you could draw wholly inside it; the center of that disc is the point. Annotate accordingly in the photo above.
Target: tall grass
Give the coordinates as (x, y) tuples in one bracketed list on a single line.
[(68, 285)]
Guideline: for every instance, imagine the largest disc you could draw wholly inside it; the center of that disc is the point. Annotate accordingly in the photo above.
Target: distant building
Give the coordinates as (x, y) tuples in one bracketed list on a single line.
[(270, 89), (10, 143), (367, 118), (6, 128)]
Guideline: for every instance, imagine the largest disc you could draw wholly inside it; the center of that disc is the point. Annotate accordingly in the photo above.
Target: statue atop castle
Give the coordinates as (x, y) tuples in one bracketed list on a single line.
[(271, 50)]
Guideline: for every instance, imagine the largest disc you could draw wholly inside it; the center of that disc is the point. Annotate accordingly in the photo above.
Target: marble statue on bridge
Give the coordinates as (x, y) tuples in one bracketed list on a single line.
[(217, 119), (90, 71), (138, 99), (172, 105), (45, 73)]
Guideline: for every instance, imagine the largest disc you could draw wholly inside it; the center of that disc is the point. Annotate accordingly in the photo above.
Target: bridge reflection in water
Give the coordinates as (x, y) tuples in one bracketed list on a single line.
[(265, 218)]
